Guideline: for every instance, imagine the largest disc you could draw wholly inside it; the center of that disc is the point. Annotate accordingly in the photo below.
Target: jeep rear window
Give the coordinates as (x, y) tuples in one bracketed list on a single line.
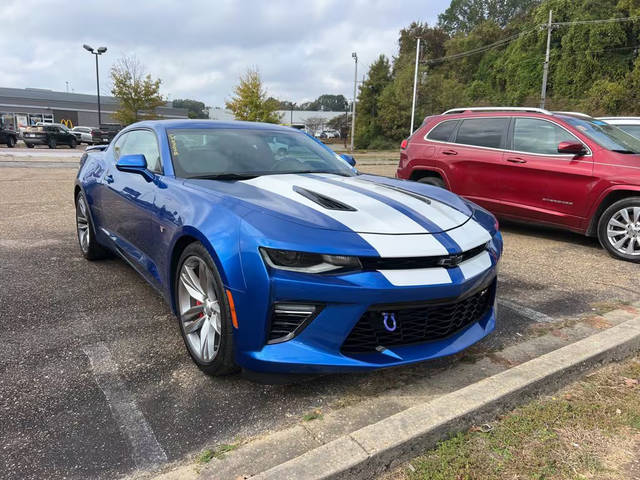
[(442, 132), (482, 132)]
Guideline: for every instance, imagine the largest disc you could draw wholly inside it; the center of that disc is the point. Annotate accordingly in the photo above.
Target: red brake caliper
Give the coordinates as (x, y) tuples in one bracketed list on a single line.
[(198, 302)]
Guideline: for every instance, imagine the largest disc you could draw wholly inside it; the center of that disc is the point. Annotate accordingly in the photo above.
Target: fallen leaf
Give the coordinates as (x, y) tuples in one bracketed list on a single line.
[(630, 382)]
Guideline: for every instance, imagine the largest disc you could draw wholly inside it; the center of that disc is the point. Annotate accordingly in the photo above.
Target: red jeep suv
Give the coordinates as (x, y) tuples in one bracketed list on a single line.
[(562, 169)]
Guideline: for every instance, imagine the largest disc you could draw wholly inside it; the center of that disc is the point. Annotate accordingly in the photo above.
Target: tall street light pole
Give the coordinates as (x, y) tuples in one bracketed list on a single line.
[(353, 110), (98, 51), (415, 86)]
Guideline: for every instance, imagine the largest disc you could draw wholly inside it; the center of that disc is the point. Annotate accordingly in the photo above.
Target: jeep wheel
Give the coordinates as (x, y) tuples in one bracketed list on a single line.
[(435, 181), (619, 229)]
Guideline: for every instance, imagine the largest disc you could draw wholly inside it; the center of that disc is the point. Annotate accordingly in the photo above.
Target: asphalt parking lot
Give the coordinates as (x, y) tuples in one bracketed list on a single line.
[(55, 307)]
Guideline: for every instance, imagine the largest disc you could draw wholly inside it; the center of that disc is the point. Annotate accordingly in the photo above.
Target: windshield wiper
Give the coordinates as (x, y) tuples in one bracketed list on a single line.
[(226, 176), (624, 151), (342, 174)]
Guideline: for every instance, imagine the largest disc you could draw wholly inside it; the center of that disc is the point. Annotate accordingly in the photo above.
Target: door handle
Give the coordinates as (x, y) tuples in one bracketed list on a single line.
[(516, 160), (108, 178), (449, 152)]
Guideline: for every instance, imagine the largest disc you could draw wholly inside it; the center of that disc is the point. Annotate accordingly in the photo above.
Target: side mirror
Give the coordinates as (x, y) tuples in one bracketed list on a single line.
[(349, 159), (135, 164), (574, 148)]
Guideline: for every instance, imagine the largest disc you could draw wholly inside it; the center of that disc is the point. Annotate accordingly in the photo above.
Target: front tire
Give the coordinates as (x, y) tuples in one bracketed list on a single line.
[(52, 143), (90, 248), (29, 145), (11, 142), (73, 143), (619, 229), (203, 312)]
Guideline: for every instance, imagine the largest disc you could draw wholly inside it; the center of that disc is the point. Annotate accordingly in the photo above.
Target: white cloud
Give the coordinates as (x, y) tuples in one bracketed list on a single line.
[(199, 48)]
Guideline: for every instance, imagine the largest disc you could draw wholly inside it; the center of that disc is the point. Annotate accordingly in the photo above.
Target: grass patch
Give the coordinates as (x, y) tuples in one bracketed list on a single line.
[(314, 415), (587, 431), (218, 452)]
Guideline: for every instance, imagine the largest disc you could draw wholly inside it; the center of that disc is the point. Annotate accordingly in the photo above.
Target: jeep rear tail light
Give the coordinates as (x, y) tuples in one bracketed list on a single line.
[(404, 144)]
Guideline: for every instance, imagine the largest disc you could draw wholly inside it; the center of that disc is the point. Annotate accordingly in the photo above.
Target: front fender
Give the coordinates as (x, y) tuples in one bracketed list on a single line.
[(595, 206)]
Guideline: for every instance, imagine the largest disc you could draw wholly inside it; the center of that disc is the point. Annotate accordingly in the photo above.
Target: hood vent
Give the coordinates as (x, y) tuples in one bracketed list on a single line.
[(415, 195), (324, 201)]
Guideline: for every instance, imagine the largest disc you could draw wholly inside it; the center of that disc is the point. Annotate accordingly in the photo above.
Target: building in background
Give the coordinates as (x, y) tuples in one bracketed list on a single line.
[(313, 121), (21, 107)]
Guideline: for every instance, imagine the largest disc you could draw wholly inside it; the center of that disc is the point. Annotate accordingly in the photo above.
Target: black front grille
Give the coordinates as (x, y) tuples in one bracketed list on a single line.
[(401, 263), (415, 324)]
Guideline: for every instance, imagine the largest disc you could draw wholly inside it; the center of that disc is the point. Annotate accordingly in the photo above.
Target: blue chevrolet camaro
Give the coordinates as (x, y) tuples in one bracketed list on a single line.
[(278, 257)]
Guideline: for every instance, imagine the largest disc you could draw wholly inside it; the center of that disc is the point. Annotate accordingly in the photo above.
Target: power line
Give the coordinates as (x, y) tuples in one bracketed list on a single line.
[(591, 22), (516, 36)]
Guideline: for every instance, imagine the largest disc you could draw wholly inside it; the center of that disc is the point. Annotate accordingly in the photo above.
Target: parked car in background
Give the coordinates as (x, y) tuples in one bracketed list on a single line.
[(105, 133), (50, 134), (562, 169), (8, 136), (631, 125), (84, 134)]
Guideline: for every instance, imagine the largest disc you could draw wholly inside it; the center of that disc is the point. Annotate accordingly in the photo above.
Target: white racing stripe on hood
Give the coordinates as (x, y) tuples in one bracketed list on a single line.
[(417, 277), (371, 216), (437, 212), (470, 235), (405, 245)]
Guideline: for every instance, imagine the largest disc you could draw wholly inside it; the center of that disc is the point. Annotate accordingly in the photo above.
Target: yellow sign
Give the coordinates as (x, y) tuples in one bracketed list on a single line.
[(67, 123)]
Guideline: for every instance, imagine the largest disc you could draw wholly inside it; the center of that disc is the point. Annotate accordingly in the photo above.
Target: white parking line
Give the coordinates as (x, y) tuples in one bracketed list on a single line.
[(526, 311), (145, 449)]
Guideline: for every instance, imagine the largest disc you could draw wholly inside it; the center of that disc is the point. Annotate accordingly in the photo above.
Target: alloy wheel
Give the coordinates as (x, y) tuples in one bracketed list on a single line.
[(199, 309), (82, 223), (623, 230)]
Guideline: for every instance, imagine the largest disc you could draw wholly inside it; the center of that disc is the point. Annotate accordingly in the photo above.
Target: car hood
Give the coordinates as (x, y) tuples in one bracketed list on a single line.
[(361, 204)]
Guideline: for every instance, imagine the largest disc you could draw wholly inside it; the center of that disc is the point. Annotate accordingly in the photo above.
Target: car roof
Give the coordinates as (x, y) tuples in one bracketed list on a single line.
[(479, 112), (621, 120), (194, 123)]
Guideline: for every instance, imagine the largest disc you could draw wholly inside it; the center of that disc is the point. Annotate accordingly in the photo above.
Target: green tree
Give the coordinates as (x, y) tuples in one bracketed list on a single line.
[(195, 108), (250, 101), (137, 93), (368, 127), (464, 15)]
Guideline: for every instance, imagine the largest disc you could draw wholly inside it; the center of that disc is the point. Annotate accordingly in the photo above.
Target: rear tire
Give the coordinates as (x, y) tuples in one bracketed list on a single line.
[(619, 229), (435, 181), (203, 309)]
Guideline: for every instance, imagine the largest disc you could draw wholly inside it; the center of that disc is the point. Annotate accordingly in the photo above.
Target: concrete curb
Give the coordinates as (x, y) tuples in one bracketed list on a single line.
[(367, 452)]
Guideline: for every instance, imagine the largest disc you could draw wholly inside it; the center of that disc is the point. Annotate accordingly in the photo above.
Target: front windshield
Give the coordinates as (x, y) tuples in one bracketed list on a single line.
[(605, 135), (217, 152)]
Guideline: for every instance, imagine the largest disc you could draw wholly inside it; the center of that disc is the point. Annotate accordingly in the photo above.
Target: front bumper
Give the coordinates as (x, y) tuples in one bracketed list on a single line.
[(345, 298)]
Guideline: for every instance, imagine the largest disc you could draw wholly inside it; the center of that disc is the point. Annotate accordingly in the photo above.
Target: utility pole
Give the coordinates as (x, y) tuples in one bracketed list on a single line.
[(67, 83), (353, 109), (545, 71), (415, 86)]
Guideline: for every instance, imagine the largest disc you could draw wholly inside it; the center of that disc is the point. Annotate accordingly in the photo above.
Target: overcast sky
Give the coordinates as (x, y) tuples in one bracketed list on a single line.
[(199, 48)]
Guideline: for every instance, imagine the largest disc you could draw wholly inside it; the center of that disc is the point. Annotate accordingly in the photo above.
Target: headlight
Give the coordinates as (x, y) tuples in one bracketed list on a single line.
[(308, 262)]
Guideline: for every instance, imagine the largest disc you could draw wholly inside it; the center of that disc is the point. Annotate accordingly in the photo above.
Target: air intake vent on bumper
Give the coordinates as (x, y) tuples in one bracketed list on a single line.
[(288, 319)]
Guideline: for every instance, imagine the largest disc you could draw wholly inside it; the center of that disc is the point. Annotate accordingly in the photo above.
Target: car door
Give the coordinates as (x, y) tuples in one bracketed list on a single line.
[(474, 159), (128, 198), (542, 184)]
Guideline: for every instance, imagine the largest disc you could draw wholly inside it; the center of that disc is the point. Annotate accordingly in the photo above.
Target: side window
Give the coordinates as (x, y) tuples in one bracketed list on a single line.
[(442, 132), (534, 135), (145, 143), (117, 148), (482, 132)]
